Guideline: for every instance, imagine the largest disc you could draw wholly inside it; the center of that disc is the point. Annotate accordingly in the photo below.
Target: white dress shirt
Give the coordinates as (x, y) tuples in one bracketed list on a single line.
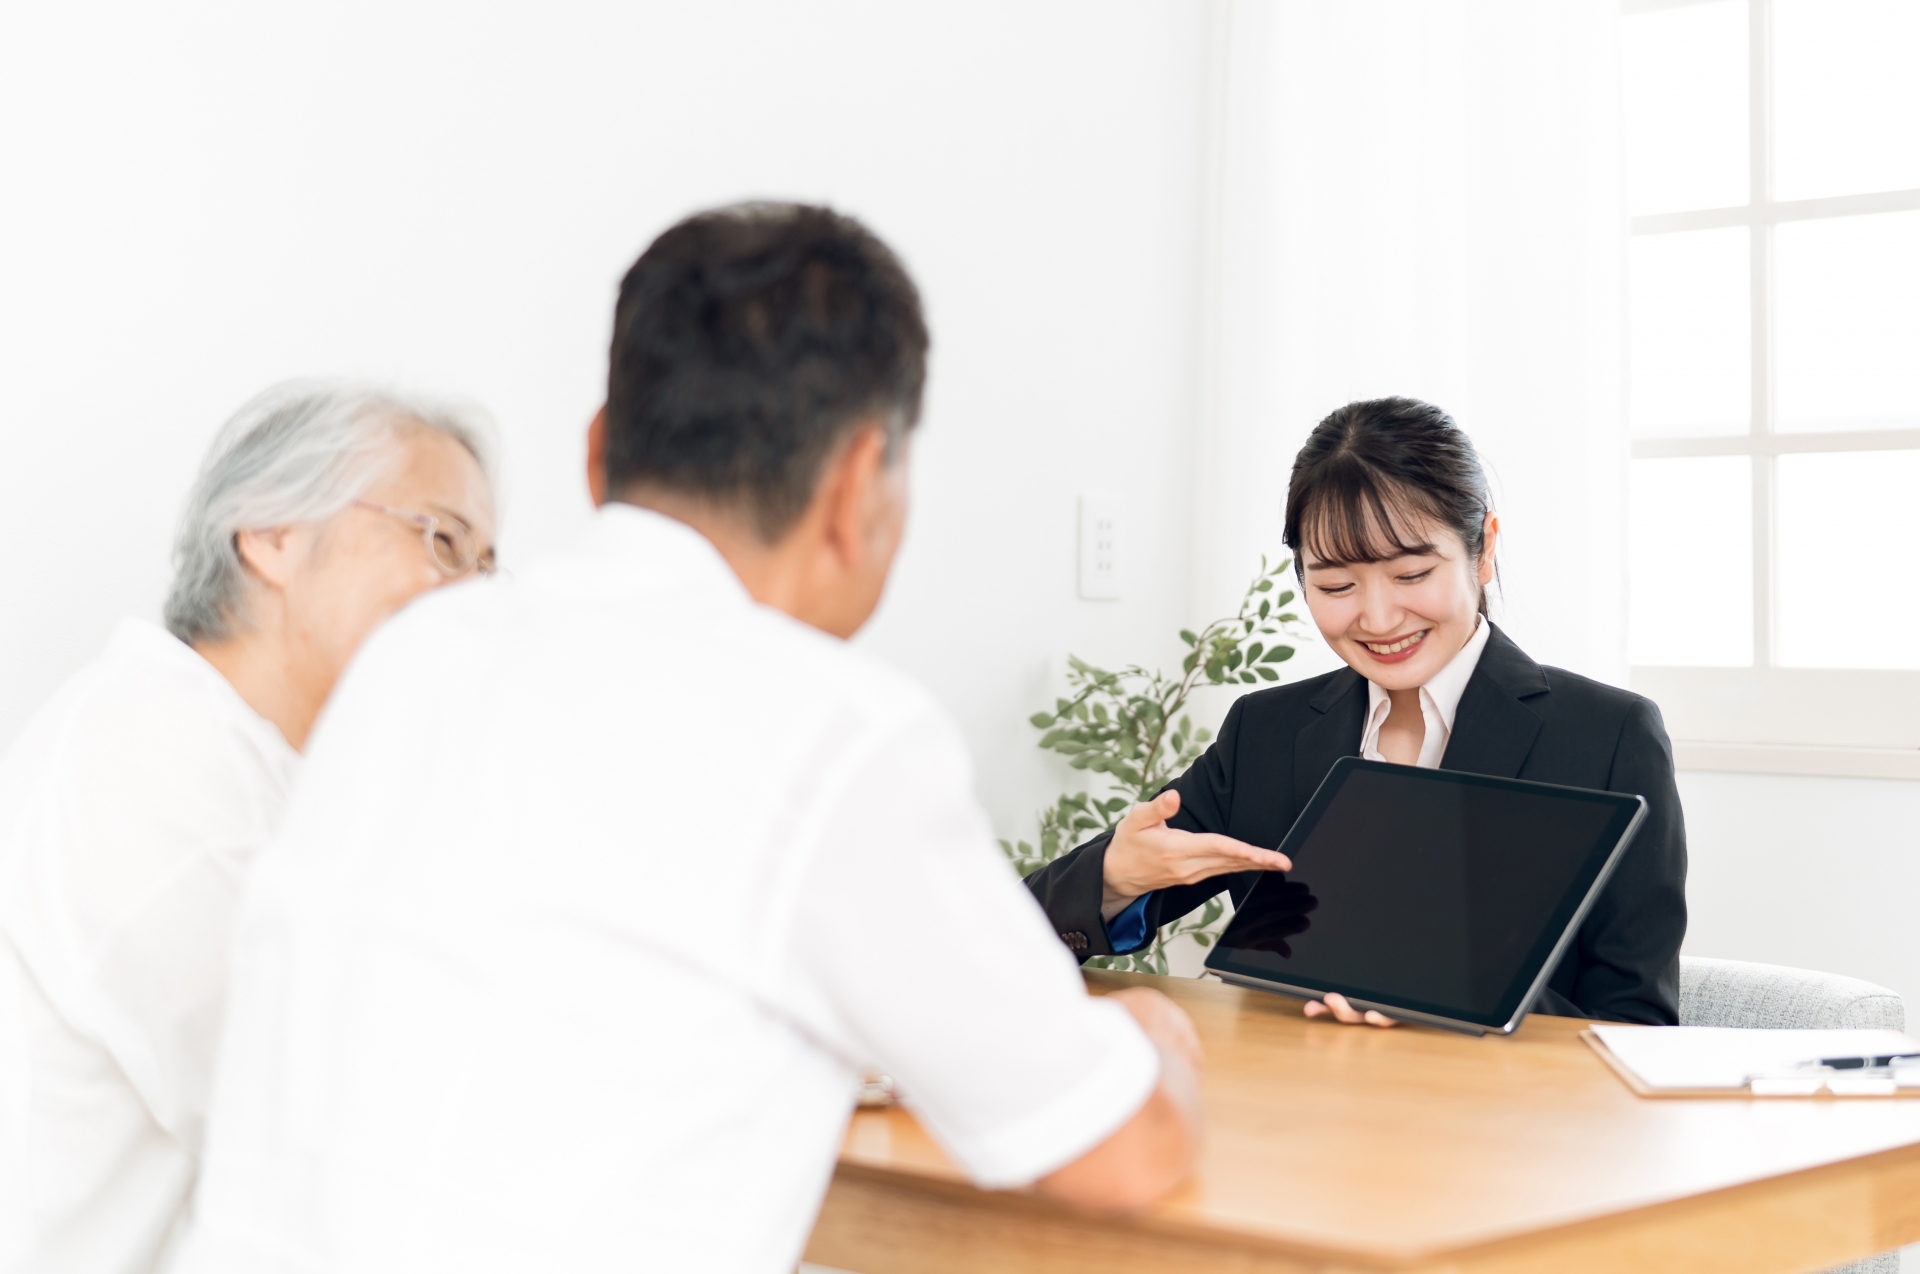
[(130, 808), (1439, 700), (602, 887)]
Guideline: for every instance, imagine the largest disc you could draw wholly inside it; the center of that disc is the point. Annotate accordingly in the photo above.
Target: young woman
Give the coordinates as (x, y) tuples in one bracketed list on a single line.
[(1393, 534)]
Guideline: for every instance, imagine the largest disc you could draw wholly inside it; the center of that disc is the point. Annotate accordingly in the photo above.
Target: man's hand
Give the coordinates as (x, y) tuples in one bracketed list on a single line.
[(1336, 1004), (1145, 854), (1153, 1151), (1165, 1023)]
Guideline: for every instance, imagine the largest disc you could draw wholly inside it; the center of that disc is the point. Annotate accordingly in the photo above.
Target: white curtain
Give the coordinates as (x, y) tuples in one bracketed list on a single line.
[(1422, 197)]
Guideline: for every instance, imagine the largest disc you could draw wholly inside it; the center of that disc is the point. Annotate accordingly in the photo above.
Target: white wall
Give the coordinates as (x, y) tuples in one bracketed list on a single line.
[(1821, 873), (202, 199), (1421, 197)]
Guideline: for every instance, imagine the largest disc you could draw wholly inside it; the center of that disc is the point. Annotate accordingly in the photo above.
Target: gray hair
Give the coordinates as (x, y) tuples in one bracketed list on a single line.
[(301, 452)]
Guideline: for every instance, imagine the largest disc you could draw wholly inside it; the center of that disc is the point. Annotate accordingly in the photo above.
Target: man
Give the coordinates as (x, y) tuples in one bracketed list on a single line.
[(132, 805), (604, 887)]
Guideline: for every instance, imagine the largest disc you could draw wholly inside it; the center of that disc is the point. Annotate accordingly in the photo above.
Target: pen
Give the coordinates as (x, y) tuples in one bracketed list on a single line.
[(1859, 1063)]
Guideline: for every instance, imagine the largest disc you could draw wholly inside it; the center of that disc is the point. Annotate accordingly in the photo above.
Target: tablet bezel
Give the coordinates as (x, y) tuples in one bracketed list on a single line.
[(1533, 971)]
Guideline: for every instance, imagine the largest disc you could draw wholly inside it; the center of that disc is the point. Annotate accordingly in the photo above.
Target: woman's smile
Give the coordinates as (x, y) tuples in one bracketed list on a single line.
[(1397, 650)]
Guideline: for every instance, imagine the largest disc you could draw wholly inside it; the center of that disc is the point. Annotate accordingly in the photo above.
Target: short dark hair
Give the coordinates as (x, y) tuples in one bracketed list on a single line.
[(747, 341), (1371, 469)]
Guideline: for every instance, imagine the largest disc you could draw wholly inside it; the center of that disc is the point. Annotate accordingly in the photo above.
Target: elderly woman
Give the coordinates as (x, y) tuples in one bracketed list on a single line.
[(133, 803)]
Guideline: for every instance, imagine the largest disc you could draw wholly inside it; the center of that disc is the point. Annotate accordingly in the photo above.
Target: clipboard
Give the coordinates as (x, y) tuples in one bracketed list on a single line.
[(1702, 1061)]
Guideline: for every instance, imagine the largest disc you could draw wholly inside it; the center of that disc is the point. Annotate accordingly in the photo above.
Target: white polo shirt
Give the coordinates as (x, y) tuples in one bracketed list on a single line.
[(130, 809), (602, 887)]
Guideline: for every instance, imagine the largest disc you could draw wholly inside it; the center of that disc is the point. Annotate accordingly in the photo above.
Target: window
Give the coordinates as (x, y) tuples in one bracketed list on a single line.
[(1773, 180)]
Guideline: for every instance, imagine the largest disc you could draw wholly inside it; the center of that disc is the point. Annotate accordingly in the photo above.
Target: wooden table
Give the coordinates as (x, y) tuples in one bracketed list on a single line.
[(1334, 1148)]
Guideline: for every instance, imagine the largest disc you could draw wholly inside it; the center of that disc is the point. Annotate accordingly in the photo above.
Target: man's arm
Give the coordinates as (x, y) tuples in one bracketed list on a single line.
[(1153, 1151), (999, 1050)]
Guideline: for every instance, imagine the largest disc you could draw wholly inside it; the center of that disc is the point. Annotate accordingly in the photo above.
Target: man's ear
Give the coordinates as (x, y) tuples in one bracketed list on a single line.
[(854, 488), (267, 553), (597, 458)]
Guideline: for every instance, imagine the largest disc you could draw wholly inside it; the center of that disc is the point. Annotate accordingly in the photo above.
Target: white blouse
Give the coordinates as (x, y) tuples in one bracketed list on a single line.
[(1439, 700), (131, 808)]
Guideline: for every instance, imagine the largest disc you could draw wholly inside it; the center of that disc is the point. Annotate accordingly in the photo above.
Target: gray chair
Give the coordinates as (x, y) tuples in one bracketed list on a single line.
[(1773, 997)]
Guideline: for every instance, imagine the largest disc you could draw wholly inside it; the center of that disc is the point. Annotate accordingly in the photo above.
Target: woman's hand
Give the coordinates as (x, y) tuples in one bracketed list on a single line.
[(1336, 1004), (1145, 854)]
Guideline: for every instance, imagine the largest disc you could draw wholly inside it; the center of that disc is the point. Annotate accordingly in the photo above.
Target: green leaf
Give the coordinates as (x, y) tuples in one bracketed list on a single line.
[(1289, 618), (1253, 652), (1039, 720), (1263, 586), (1264, 607), (1215, 669), (1204, 939), (1186, 665), (1247, 677), (1051, 737), (1285, 653), (1202, 735), (1284, 598), (1267, 673), (1188, 637), (1082, 761)]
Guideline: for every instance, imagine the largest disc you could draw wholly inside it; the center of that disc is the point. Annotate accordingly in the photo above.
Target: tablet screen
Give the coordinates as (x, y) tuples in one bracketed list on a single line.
[(1439, 892)]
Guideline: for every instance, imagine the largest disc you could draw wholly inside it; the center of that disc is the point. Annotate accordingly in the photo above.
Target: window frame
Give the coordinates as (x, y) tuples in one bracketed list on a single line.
[(1765, 718)]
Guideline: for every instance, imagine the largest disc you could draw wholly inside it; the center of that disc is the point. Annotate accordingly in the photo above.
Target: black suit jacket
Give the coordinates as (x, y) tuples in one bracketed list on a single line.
[(1516, 719)]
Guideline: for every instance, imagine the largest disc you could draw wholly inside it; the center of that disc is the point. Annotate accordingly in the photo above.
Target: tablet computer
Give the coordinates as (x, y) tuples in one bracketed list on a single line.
[(1429, 895)]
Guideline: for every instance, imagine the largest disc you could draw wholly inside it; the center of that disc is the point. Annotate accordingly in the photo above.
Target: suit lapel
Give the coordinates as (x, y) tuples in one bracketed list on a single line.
[(1494, 728), (1333, 731)]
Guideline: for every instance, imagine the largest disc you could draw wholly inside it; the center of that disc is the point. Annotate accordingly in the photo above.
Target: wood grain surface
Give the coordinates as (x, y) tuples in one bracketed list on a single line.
[(1335, 1148)]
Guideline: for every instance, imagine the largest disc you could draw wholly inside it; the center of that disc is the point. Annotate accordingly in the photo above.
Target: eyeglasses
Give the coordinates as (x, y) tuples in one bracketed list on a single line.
[(449, 544)]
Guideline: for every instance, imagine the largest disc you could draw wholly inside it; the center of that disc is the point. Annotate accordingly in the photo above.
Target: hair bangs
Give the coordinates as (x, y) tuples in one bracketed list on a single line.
[(1356, 515)]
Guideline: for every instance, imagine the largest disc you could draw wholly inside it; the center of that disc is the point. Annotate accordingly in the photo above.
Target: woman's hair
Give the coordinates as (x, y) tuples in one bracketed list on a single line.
[(299, 453), (1372, 471)]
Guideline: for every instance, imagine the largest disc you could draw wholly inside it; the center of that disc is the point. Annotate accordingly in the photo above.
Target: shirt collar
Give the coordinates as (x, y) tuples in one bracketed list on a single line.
[(629, 547), (1445, 687), (142, 640)]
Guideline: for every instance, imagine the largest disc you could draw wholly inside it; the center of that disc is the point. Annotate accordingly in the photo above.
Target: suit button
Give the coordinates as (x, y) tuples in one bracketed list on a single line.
[(1076, 941)]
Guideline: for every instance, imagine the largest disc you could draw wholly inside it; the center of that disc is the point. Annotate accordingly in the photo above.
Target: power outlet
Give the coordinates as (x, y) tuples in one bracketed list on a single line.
[(1101, 548)]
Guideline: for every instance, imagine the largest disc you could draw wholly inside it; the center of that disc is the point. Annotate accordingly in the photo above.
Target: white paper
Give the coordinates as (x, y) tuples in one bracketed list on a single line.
[(1724, 1056)]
